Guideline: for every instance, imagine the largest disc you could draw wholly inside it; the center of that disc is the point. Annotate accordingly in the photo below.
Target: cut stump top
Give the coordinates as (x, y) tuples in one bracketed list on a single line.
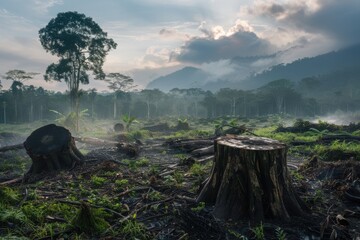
[(250, 143), (47, 139)]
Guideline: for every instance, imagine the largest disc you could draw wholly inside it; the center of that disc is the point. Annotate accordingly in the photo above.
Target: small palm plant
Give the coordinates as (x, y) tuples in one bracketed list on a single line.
[(128, 120), (70, 120)]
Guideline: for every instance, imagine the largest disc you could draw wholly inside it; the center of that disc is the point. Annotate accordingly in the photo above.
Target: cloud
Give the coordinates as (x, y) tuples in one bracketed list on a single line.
[(156, 57), (218, 69), (19, 45), (42, 6), (173, 34), (333, 19), (217, 44)]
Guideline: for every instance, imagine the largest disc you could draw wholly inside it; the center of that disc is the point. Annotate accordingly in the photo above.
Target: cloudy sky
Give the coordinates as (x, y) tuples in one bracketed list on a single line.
[(156, 37)]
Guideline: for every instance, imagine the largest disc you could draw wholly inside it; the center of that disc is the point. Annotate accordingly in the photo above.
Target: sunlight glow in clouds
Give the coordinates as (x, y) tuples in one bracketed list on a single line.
[(157, 37)]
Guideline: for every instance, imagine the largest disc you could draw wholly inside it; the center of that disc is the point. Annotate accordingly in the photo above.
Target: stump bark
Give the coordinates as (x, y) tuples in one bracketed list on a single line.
[(52, 148), (250, 180)]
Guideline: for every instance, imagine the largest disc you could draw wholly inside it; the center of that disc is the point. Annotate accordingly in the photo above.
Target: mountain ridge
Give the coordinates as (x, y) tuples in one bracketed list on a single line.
[(327, 63)]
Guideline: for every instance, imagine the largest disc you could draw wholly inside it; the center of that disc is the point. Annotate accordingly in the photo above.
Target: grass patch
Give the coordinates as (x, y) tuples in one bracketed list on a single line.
[(197, 169), (131, 229), (338, 150), (8, 195)]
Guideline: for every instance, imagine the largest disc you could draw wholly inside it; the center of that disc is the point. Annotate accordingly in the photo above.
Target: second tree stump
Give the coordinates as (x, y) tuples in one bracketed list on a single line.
[(250, 180)]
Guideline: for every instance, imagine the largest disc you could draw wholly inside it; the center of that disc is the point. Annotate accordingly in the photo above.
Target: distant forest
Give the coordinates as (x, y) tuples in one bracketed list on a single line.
[(22, 103)]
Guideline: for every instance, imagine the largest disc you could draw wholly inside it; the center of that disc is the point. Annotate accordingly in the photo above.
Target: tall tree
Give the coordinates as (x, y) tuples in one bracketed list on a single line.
[(279, 92), (195, 95), (119, 83), (18, 77), (151, 96), (231, 96), (92, 93), (209, 102), (81, 45)]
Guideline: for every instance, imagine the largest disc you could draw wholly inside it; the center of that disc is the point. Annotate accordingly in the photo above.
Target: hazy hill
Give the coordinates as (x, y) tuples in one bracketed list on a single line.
[(308, 67), (345, 61), (188, 77)]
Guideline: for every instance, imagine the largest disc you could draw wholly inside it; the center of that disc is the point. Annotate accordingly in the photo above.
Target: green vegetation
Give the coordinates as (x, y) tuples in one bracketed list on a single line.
[(135, 164), (296, 175), (197, 169), (199, 207), (121, 183), (71, 119), (155, 196), (280, 234), (8, 195), (131, 229), (258, 232), (237, 235), (337, 150), (129, 120), (98, 181)]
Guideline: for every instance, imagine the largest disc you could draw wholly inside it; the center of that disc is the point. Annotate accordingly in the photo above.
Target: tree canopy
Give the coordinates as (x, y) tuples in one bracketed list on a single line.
[(80, 44)]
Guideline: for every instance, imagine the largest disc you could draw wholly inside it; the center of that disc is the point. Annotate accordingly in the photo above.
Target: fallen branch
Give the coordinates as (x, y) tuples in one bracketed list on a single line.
[(94, 141), (15, 180), (144, 207), (131, 190), (188, 199), (203, 151), (166, 173), (12, 147), (205, 159)]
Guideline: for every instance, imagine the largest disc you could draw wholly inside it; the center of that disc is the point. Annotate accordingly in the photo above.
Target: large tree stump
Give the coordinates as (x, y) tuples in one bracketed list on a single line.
[(250, 180), (52, 148)]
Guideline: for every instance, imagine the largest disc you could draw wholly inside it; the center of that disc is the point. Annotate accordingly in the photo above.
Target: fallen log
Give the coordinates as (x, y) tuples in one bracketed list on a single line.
[(189, 144), (203, 151), (95, 141), (161, 127), (129, 149), (327, 139), (339, 137)]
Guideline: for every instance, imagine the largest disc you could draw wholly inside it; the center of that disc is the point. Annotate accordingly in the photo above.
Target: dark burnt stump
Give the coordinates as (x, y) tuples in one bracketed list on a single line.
[(52, 148), (250, 180)]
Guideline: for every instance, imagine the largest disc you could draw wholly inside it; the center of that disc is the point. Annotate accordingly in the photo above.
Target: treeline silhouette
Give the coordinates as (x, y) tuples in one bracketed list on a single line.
[(24, 103)]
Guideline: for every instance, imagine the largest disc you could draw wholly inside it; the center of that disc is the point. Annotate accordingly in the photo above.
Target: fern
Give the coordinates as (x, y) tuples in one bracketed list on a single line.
[(280, 234)]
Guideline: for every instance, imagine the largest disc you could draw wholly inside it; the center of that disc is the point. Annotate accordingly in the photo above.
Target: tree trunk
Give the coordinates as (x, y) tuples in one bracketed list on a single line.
[(16, 110), (115, 107), (52, 148), (4, 105), (250, 180), (148, 109)]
